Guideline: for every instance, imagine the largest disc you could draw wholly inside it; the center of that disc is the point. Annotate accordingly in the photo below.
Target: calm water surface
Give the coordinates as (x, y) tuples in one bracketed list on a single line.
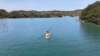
[(25, 37)]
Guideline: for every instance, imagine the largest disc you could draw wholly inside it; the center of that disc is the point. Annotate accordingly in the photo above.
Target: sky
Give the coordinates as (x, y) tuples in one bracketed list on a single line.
[(44, 5)]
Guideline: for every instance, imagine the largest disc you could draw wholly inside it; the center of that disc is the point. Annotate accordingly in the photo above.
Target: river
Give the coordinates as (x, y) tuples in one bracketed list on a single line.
[(25, 37)]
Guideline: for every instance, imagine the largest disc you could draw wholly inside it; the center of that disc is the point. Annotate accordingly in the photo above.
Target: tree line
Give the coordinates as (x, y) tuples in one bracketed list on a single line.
[(38, 14), (14, 14)]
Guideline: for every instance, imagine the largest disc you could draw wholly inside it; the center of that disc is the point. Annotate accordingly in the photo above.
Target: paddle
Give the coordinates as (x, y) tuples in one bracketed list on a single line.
[(49, 29)]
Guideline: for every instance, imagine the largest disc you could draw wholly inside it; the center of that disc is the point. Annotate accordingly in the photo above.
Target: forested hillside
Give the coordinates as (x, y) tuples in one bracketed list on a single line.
[(91, 13)]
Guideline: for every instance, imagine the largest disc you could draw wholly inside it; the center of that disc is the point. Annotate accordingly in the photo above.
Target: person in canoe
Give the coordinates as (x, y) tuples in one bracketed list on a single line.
[(48, 34)]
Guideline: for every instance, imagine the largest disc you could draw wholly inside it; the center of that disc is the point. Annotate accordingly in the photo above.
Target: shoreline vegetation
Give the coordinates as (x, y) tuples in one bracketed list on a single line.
[(39, 14), (91, 14)]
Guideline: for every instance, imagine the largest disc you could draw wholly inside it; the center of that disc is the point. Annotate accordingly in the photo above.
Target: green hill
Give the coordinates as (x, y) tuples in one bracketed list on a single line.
[(91, 13)]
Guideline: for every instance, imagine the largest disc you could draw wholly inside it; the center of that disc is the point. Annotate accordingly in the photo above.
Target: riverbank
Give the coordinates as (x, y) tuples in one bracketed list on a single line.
[(80, 20), (70, 16)]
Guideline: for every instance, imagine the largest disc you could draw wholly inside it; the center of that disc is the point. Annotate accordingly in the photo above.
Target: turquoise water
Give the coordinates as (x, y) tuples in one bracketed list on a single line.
[(25, 37)]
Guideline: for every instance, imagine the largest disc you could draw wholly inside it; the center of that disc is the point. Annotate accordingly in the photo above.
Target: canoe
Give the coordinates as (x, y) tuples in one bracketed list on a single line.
[(48, 36)]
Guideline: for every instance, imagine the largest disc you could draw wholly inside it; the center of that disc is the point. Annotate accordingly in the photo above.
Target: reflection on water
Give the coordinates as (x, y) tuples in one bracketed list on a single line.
[(91, 31), (91, 34), (25, 37)]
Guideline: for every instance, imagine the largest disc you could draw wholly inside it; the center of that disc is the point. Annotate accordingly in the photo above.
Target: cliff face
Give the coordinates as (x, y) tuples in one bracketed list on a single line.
[(91, 13)]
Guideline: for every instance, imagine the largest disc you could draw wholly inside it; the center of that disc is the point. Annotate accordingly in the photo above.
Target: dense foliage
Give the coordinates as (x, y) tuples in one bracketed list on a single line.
[(4, 14), (35, 14), (91, 13)]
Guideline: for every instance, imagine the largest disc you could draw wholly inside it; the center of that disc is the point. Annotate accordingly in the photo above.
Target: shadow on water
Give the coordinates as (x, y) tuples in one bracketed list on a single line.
[(90, 34), (91, 31)]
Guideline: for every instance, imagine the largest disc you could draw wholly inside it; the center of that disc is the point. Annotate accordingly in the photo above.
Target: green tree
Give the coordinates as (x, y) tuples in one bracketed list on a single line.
[(91, 13)]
